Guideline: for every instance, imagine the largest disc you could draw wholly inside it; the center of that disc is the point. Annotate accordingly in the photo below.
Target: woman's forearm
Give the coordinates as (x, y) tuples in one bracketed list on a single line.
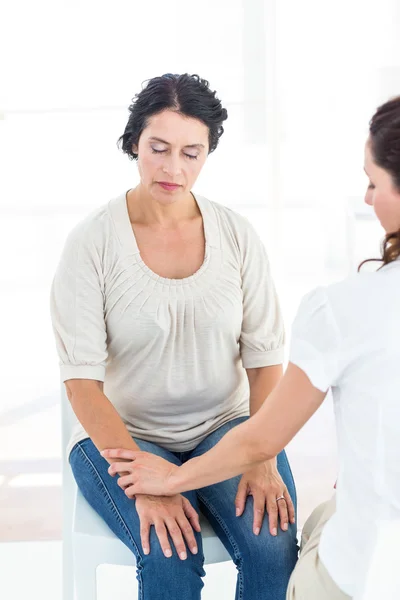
[(98, 416), (262, 382)]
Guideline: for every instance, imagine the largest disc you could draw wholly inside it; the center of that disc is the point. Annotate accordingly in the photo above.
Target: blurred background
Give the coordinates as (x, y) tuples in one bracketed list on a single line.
[(300, 81)]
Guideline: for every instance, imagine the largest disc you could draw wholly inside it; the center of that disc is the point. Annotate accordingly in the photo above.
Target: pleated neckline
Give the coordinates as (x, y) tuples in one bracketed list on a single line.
[(120, 215)]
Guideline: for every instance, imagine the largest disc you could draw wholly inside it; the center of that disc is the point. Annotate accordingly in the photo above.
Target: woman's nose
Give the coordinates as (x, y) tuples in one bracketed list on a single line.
[(172, 166), (368, 197)]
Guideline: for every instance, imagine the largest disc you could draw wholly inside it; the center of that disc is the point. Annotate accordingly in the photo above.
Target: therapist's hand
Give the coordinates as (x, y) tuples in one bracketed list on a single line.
[(266, 485), (143, 473), (145, 477)]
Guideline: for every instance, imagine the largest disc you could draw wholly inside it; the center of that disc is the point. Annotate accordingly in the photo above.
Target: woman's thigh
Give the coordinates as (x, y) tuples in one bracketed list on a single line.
[(264, 561)]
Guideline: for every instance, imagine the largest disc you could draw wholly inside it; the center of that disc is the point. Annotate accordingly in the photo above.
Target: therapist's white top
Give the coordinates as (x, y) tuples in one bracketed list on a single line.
[(347, 336), (172, 352)]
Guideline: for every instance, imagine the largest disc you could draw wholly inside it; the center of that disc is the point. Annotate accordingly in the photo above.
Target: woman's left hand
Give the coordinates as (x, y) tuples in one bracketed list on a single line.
[(267, 487)]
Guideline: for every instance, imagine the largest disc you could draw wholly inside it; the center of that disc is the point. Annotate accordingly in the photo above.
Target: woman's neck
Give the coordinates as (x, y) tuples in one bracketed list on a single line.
[(144, 209)]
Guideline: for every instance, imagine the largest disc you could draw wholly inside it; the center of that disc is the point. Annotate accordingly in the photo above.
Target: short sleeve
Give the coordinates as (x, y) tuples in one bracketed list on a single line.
[(262, 337), (315, 340), (77, 310)]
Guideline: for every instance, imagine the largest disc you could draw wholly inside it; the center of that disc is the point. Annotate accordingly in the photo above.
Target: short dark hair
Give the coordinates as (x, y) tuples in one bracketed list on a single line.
[(186, 94)]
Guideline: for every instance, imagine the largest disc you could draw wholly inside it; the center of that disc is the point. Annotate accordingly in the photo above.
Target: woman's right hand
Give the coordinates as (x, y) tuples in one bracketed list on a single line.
[(168, 514)]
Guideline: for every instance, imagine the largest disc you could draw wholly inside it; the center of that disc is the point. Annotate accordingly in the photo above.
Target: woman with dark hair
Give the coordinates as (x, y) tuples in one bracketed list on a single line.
[(170, 334), (345, 337)]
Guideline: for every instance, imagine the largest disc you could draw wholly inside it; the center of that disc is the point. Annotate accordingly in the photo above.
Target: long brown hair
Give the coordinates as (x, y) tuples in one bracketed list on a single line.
[(384, 137)]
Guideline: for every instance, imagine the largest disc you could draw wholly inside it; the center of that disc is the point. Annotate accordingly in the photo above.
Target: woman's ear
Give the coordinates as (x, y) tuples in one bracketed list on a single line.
[(135, 149)]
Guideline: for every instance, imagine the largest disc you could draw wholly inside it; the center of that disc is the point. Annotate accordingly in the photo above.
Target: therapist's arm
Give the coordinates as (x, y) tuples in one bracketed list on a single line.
[(289, 406), (263, 436)]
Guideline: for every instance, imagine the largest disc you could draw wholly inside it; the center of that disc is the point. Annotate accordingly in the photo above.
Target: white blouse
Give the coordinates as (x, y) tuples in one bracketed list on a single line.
[(347, 337), (172, 352)]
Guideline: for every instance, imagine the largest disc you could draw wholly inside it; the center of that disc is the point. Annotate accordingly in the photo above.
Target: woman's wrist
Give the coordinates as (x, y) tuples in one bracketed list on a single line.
[(271, 463)]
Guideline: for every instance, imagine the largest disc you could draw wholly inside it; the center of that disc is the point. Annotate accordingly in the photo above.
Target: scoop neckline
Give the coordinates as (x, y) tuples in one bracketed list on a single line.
[(130, 237)]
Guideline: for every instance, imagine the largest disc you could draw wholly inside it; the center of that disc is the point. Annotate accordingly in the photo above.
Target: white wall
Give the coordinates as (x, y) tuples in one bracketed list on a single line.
[(300, 80)]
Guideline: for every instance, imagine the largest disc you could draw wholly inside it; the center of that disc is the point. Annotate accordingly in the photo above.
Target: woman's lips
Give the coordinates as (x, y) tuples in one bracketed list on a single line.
[(170, 187)]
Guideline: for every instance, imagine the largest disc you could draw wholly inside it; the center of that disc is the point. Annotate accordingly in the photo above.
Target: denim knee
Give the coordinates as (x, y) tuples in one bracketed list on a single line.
[(161, 577), (266, 550)]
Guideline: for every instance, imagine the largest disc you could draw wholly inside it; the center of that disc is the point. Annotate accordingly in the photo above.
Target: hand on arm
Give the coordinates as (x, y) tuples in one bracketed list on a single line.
[(289, 406), (105, 427)]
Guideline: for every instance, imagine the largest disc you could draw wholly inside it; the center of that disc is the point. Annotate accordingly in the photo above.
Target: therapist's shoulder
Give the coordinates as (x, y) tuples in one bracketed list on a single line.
[(348, 300), (350, 287), (340, 298)]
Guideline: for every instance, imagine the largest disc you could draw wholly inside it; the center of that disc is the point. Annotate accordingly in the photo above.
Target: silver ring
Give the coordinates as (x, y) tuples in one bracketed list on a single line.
[(281, 498)]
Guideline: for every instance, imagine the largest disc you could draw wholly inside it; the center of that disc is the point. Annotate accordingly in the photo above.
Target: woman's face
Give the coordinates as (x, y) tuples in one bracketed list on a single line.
[(171, 152), (382, 194)]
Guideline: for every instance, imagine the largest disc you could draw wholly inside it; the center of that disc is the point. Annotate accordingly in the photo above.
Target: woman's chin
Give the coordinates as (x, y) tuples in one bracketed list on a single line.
[(392, 228), (165, 198)]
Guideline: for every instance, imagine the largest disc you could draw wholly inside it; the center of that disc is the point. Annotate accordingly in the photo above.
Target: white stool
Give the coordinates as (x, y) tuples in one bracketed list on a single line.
[(88, 542)]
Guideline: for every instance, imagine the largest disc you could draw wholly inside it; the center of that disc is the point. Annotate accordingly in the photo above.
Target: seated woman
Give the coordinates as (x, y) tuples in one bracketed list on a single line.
[(345, 337), (167, 299)]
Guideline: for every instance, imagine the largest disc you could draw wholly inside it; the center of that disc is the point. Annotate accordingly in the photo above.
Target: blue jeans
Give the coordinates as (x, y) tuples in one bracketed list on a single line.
[(264, 562)]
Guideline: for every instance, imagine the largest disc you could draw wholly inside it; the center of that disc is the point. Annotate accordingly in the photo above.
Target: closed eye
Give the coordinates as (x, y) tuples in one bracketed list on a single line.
[(191, 156)]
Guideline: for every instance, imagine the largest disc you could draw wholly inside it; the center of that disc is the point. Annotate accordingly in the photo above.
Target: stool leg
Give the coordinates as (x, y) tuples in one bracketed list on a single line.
[(67, 572), (86, 581)]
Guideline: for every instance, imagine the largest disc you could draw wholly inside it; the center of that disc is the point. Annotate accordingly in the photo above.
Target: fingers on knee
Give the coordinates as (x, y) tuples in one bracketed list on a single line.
[(158, 562)]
